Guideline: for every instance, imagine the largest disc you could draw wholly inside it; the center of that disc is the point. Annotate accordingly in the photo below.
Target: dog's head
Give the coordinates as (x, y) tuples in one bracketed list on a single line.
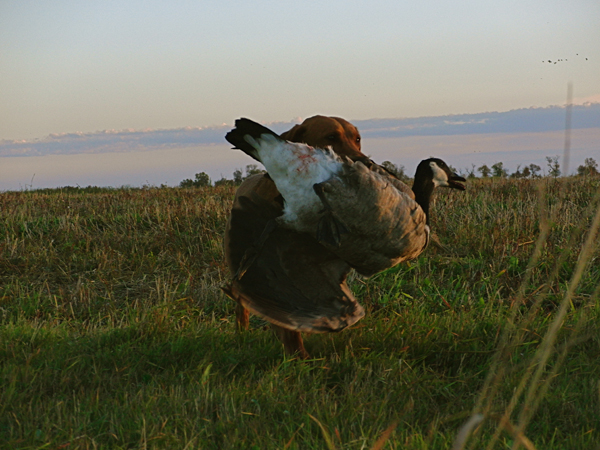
[(322, 131)]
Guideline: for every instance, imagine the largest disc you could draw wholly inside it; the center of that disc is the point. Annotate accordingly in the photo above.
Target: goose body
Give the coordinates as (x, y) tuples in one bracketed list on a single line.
[(364, 215), (384, 225), (388, 222)]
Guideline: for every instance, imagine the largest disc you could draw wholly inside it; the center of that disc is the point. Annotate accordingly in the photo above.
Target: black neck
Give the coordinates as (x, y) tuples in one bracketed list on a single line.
[(423, 190)]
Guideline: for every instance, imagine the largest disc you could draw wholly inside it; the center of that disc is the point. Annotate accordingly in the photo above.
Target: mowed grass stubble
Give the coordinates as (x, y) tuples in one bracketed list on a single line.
[(114, 332)]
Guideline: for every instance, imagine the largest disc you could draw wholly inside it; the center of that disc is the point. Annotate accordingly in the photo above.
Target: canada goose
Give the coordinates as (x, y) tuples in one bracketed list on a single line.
[(384, 224), (364, 215), (293, 280)]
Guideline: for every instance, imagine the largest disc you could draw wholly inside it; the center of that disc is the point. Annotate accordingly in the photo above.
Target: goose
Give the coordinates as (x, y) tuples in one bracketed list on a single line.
[(305, 223), (366, 216)]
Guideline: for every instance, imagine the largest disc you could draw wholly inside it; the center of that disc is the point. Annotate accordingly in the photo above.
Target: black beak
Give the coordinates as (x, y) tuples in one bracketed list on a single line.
[(454, 182)]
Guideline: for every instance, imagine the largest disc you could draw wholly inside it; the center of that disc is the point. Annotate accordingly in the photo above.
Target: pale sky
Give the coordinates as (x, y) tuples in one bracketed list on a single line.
[(75, 66), (84, 66)]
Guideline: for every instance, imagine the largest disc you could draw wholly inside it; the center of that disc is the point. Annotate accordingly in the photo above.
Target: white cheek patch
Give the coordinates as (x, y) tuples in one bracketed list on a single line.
[(440, 177)]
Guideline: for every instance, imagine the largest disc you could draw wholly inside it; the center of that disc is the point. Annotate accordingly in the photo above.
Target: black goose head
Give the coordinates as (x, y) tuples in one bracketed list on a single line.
[(432, 173)]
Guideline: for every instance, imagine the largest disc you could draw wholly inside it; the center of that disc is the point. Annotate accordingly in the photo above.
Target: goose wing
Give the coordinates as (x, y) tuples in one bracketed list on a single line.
[(384, 224), (293, 167), (293, 280)]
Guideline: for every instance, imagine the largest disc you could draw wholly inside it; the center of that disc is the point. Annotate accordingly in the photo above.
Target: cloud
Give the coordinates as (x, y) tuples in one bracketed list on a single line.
[(527, 120), (587, 100), (114, 141)]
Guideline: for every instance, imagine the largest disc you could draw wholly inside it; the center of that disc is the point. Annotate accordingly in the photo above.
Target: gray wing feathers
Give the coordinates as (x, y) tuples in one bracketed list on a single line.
[(386, 226), (293, 280), (299, 285)]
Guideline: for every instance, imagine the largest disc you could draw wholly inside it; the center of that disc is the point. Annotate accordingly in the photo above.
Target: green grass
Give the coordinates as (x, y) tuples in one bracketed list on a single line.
[(114, 332)]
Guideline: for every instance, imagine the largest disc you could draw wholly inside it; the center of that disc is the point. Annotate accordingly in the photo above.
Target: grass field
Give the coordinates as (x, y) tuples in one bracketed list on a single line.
[(114, 333)]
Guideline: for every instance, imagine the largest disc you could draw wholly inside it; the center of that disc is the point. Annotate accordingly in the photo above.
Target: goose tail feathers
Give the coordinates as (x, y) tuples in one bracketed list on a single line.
[(249, 136)]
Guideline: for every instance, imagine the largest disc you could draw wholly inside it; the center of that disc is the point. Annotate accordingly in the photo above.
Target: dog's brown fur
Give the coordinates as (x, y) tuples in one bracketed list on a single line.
[(322, 131), (257, 201)]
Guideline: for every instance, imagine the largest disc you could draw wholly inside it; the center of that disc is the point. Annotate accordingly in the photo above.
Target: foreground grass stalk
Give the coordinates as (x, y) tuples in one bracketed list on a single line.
[(547, 346), (512, 336)]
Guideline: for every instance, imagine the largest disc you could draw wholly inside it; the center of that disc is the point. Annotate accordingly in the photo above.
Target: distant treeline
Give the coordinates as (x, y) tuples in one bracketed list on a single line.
[(203, 180), (589, 167)]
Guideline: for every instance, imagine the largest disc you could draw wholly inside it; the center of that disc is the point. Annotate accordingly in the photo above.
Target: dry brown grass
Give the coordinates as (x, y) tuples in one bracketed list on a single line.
[(114, 332)]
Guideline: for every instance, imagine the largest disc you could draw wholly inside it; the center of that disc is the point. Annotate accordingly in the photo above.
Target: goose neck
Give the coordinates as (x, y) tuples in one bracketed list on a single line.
[(423, 191)]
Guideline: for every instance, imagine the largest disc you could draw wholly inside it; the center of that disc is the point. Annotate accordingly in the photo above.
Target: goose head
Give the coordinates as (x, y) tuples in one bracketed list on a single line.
[(432, 173)]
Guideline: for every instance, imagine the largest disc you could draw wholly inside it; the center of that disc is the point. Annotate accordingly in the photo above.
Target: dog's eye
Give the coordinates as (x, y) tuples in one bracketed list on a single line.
[(331, 137), (358, 140)]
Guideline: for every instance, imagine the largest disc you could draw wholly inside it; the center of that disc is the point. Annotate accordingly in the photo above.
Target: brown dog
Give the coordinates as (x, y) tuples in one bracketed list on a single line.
[(322, 131), (288, 261)]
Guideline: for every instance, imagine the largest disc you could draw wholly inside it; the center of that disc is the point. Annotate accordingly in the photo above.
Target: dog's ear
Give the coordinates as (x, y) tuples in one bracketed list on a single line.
[(295, 134)]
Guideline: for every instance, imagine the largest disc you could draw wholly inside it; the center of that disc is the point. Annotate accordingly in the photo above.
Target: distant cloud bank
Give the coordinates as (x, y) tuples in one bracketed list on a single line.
[(529, 120), (515, 121), (113, 141)]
